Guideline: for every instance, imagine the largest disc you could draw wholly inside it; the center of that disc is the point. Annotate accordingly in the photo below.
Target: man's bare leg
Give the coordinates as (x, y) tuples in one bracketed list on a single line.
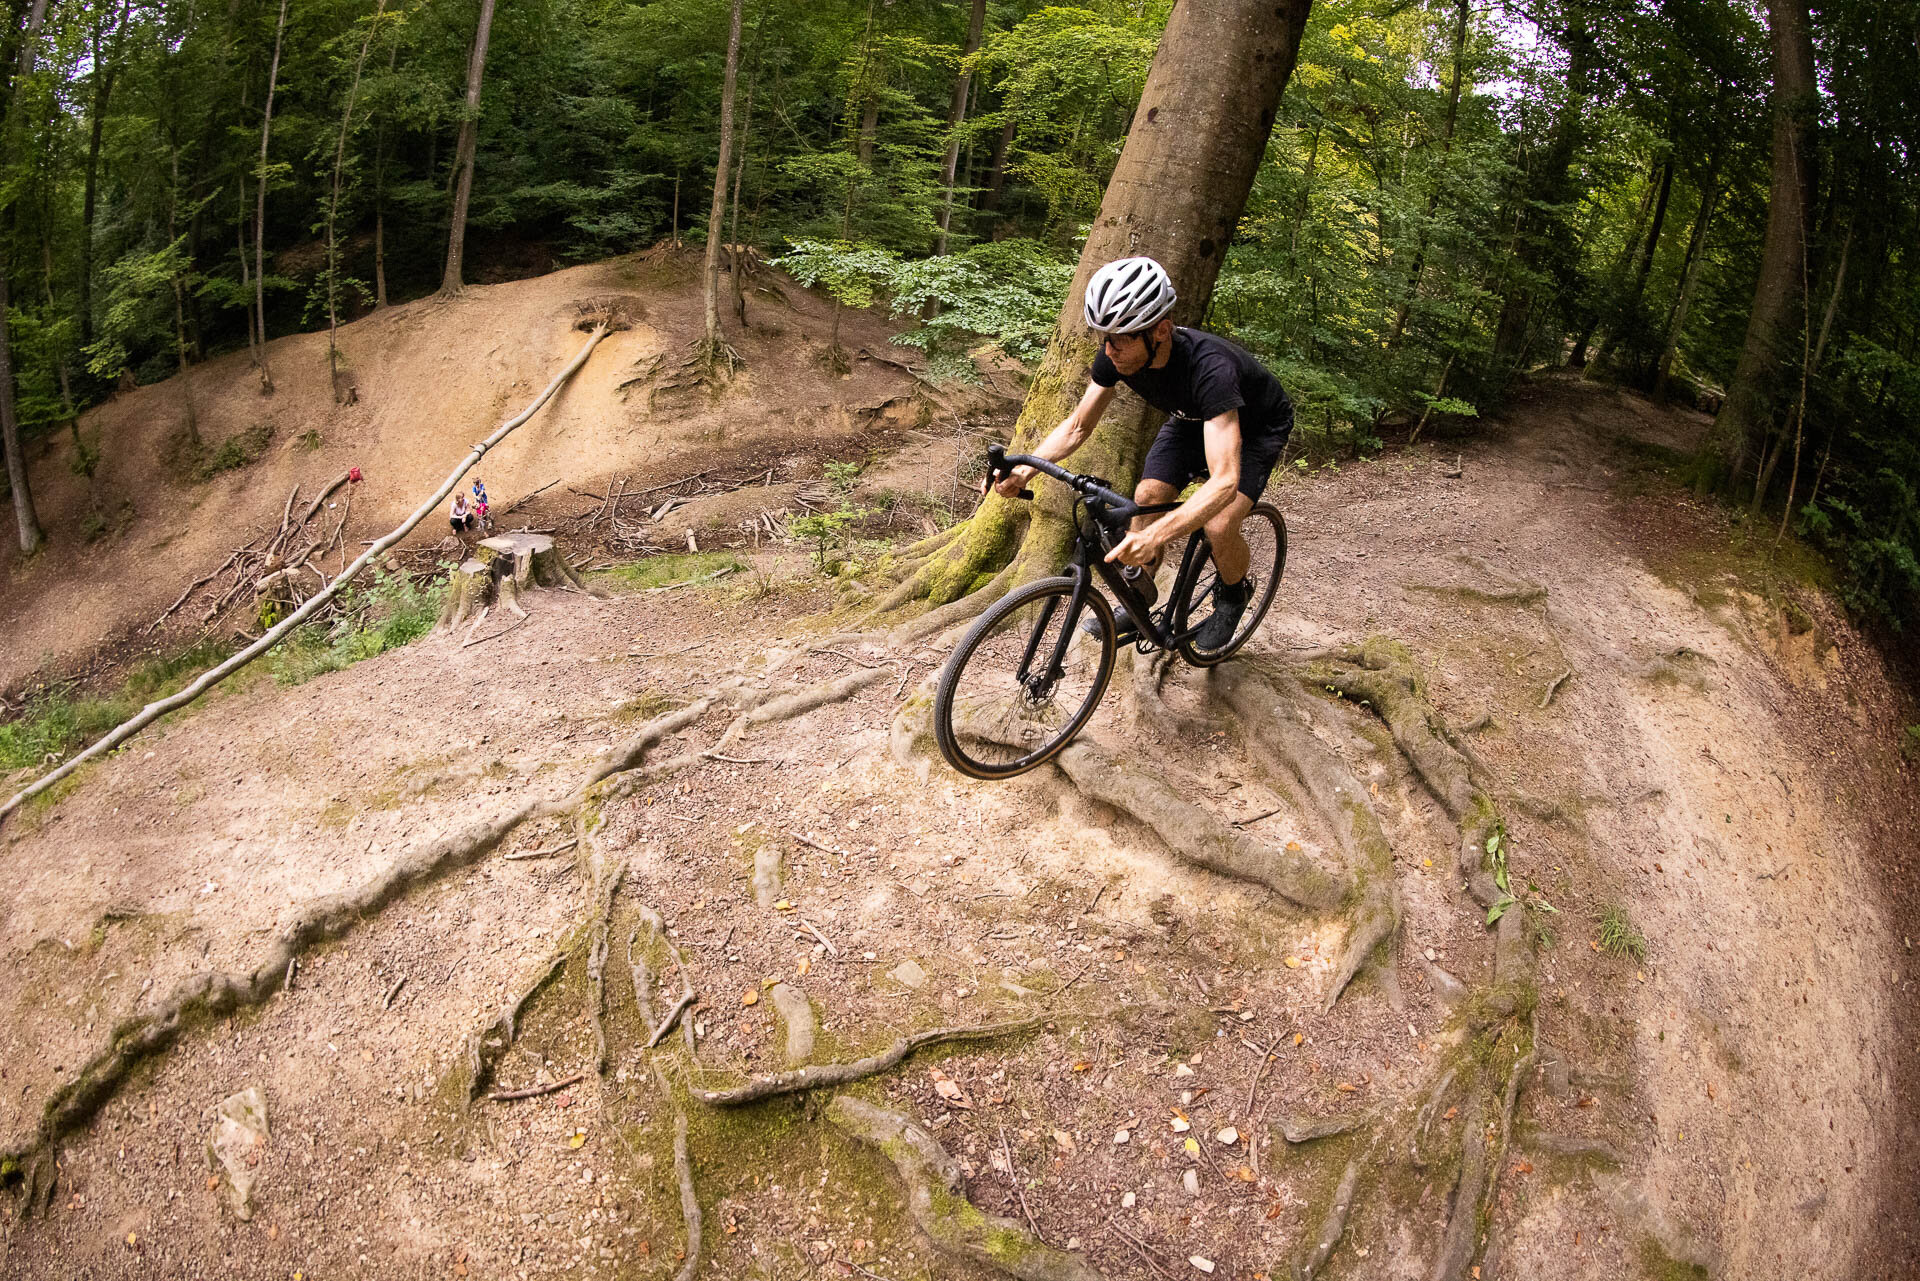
[(1231, 555), (1152, 493)]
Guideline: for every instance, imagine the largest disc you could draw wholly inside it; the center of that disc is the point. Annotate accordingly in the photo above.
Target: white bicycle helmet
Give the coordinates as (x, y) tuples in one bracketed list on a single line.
[(1128, 295)]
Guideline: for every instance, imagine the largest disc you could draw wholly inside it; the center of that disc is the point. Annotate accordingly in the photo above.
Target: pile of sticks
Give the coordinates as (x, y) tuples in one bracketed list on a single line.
[(279, 555), (631, 531)]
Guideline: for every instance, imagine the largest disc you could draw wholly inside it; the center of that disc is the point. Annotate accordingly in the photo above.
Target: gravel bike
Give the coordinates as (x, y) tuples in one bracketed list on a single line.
[(1028, 675)]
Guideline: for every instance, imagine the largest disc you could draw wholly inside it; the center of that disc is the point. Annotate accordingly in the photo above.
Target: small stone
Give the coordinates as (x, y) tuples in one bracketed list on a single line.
[(1191, 1181), (1228, 1136), (909, 974), (1205, 1265), (1121, 1136), (1127, 1201), (1073, 1243), (1181, 1069), (1430, 954), (1180, 1126)]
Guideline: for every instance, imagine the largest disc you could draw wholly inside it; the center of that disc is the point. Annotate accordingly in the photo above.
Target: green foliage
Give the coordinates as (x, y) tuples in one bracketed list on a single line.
[(827, 531), (394, 610), (1910, 743), (1009, 291), (55, 723), (841, 475)]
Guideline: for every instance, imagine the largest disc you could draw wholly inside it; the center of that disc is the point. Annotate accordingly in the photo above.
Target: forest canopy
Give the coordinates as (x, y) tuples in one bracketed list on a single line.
[(1452, 196)]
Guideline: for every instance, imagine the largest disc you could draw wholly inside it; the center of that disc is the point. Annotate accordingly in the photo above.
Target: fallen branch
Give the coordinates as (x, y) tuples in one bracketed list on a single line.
[(1553, 686), (494, 635), (831, 1074), (535, 1091), (545, 852), (275, 634), (515, 504)]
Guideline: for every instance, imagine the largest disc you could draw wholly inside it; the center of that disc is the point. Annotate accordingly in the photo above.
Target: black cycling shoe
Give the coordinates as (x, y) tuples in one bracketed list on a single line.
[(1124, 628), (1229, 603)]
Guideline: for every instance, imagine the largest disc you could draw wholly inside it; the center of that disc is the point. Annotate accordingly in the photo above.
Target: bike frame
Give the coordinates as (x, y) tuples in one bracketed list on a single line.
[(1088, 563)]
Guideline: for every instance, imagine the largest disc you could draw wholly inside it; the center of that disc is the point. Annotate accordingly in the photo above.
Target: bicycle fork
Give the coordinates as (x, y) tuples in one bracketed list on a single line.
[(1039, 685)]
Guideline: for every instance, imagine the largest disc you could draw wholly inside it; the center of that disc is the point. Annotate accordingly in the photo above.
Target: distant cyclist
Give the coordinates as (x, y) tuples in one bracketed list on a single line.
[(1228, 419)]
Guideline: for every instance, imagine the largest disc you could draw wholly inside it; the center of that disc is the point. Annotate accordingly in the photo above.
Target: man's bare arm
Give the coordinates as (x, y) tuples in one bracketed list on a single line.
[(1222, 442), (1073, 432)]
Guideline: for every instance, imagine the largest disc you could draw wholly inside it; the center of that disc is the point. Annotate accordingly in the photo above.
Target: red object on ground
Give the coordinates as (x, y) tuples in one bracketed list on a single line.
[(353, 475)]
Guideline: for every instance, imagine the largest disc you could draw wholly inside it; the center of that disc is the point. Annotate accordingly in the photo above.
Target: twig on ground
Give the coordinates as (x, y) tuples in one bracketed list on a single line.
[(1013, 1177), (824, 940), (524, 497), (743, 760), (1266, 1057), (813, 844), (386, 1002), (535, 1091), (545, 852), (493, 636), (1553, 686), (673, 1016)]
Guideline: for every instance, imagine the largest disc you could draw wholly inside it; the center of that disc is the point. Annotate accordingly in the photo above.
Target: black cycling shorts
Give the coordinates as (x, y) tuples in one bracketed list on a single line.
[(1178, 455)]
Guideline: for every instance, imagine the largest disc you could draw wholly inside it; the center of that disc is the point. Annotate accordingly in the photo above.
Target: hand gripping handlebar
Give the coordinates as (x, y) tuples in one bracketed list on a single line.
[(1114, 506)]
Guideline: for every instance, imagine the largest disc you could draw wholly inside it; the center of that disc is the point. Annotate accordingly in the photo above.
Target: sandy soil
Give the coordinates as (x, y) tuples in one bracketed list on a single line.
[(422, 400), (1721, 763)]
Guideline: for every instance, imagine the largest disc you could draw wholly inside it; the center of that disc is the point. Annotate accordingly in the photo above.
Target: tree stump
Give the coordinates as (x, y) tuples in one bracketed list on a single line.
[(501, 568)]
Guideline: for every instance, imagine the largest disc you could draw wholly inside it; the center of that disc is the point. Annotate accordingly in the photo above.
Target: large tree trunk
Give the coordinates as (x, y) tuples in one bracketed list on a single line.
[(1176, 195), (997, 169), (716, 212), (956, 116), (463, 153), (260, 212), (1746, 420)]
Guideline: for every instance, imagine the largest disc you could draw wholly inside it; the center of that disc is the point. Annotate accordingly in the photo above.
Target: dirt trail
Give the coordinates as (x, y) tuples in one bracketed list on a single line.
[(1721, 764)]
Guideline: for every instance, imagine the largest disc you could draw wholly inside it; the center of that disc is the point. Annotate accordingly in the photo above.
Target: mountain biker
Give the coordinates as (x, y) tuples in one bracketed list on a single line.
[(1227, 420)]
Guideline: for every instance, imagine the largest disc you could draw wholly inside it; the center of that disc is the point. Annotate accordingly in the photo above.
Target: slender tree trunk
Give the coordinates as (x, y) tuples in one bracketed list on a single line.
[(463, 153), (1306, 189), (956, 116), (717, 210), (1537, 245), (380, 199), (997, 169), (1689, 278), (1177, 193), (1461, 14), (1631, 307), (333, 202), (104, 75), (1746, 419), (260, 209), (736, 268), (26, 519), (1809, 366)]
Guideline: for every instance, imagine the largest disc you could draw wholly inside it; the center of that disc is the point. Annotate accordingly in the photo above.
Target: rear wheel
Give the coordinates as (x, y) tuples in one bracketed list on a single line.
[(1266, 533), (1003, 705)]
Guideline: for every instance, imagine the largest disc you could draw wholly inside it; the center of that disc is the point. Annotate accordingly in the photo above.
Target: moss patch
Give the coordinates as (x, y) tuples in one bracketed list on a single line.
[(666, 571)]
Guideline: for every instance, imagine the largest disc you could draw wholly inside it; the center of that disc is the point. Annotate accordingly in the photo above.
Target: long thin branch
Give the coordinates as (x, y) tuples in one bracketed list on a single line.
[(827, 1074), (207, 680)]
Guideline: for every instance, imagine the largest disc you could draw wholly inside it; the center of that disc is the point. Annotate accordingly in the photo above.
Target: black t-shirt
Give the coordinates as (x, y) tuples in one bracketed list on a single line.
[(1205, 377)]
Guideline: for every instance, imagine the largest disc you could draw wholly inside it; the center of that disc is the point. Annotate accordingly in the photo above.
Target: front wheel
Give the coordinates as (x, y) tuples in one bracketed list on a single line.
[(1266, 533), (1023, 680)]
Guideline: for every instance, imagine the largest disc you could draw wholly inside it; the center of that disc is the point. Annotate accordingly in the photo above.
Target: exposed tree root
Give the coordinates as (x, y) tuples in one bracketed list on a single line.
[(1273, 723), (486, 1047), (1334, 1225), (1305, 1129), (1198, 836), (942, 618), (597, 963), (823, 1075), (940, 1208), (683, 1172)]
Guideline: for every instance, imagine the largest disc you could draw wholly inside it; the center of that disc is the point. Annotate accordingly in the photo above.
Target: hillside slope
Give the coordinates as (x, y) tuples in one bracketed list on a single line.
[(432, 377), (1676, 732)]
